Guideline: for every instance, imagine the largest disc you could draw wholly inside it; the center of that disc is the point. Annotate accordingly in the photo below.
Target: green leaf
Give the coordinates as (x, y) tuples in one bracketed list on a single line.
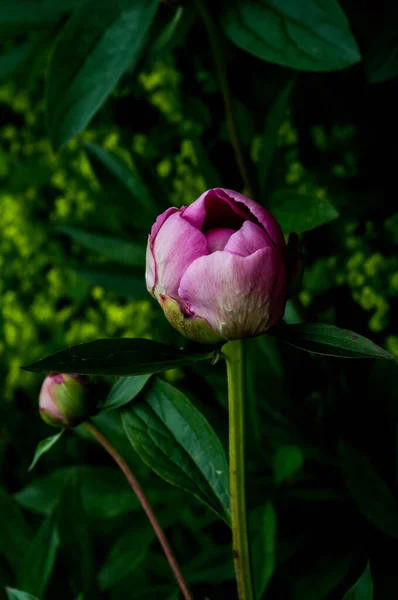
[(371, 493), (286, 462), (299, 213), (75, 537), (123, 356), (15, 533), (323, 575), (381, 59), (19, 16), (105, 492), (330, 341), (307, 36), (173, 34), (110, 424), (38, 560), (100, 41), (116, 249), (273, 122), (119, 280), (362, 589), (11, 61), (127, 178), (44, 446), (125, 556), (125, 390), (212, 566), (175, 440), (13, 594), (262, 523)]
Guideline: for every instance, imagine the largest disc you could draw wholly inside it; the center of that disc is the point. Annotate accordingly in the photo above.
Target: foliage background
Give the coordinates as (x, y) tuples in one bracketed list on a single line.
[(335, 139)]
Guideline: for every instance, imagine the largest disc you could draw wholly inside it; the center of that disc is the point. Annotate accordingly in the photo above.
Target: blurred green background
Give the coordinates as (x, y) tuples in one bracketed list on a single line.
[(161, 139)]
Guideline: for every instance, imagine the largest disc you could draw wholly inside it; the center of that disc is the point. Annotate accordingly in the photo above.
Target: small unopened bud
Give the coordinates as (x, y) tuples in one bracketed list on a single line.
[(65, 400)]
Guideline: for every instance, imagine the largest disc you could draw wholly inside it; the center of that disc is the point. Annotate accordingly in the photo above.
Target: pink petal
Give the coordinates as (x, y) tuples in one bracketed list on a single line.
[(176, 245), (233, 293), (264, 217), (214, 209), (217, 238), (150, 268), (247, 240), (46, 396), (160, 220)]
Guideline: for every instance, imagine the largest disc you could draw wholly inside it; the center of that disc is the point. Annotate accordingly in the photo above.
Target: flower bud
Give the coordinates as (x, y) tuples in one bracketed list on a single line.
[(65, 400), (218, 267)]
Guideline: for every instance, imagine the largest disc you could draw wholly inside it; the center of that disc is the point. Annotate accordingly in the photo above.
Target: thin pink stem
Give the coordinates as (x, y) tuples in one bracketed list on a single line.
[(106, 444)]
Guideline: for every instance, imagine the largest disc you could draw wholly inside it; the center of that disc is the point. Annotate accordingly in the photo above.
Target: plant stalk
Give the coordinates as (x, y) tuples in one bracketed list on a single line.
[(234, 353), (215, 42), (122, 464)]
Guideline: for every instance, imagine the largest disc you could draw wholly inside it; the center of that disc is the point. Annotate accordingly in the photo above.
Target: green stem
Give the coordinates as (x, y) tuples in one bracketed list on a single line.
[(131, 478), (234, 353), (215, 42)]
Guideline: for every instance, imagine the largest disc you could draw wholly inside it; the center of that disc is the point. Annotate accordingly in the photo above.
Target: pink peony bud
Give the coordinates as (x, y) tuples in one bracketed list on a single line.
[(218, 267), (64, 400)]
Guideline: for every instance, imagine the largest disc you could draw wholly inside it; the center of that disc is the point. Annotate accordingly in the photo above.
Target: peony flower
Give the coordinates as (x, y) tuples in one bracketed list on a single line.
[(218, 267), (64, 400)]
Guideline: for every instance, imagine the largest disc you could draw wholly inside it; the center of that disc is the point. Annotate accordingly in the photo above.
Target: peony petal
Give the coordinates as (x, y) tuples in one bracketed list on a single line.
[(150, 268), (264, 217), (176, 245), (215, 209), (247, 240), (217, 238), (160, 220), (46, 396), (233, 293), (195, 213)]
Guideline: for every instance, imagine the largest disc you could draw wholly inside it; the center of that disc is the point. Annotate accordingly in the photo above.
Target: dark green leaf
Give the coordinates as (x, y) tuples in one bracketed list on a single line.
[(110, 424), (126, 555), (123, 356), (124, 390), (371, 493), (262, 522), (173, 33), (13, 594), (307, 36), (105, 492), (212, 566), (11, 61), (119, 280), (44, 446), (330, 341), (286, 462), (174, 439), (38, 560), (15, 534), (362, 589), (115, 249), (323, 575), (75, 537), (18, 16), (98, 44), (299, 213), (128, 178), (381, 59), (273, 122)]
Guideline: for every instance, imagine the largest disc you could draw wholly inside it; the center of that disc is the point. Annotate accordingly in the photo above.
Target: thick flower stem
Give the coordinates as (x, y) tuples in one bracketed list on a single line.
[(215, 42), (106, 444), (234, 353)]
